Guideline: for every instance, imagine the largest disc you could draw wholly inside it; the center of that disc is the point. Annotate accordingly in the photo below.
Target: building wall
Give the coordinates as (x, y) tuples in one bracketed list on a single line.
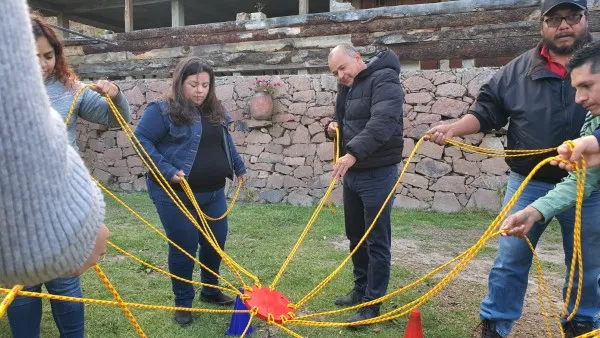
[(289, 158)]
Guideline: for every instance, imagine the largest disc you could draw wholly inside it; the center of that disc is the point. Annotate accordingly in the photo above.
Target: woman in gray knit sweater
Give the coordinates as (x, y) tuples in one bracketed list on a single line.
[(61, 85)]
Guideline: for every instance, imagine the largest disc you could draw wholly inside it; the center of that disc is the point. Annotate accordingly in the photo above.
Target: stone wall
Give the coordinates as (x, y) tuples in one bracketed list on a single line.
[(289, 158)]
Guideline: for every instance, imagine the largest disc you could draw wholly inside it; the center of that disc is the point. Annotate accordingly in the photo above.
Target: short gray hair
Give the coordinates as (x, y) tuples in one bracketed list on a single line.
[(346, 48)]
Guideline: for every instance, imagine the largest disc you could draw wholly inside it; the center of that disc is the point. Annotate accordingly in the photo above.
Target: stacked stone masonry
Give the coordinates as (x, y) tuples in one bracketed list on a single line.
[(290, 160)]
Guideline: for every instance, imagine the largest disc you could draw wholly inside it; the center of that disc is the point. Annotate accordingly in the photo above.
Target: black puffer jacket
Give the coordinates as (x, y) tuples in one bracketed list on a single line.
[(541, 108), (370, 114)]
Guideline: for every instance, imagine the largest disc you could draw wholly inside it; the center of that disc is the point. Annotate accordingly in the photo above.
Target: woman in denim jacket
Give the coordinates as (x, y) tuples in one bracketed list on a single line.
[(186, 136)]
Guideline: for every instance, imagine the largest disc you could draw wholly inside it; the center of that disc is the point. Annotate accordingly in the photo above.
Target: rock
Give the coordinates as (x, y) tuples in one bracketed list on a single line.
[(277, 131), (284, 169), (485, 199), (270, 158), (415, 180), (451, 90), (134, 161), (443, 78), (135, 96), (446, 202), (453, 152), (298, 108), (417, 83), (284, 140), (449, 107), (295, 150), (320, 111), (418, 98), (495, 183), (282, 118), (325, 151), (303, 171), (254, 149), (274, 148), (455, 184), (431, 168), (272, 196), (464, 167), (421, 194), (328, 82), (294, 161), (299, 83), (292, 182), (492, 142), (275, 181), (261, 166), (430, 149), (406, 202), (425, 118), (139, 184), (113, 154), (324, 99), (304, 96), (299, 198), (256, 136), (301, 135), (495, 165), (319, 138), (314, 128), (162, 86), (101, 175), (257, 124), (479, 80), (409, 145)]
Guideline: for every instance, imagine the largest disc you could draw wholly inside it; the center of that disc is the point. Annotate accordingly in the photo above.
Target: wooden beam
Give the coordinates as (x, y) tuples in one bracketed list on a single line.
[(303, 8), (107, 4), (62, 21), (111, 26), (45, 6), (128, 15), (177, 13)]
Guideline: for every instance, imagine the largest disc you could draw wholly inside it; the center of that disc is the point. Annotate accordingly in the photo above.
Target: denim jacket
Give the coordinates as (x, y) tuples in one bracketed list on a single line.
[(173, 147)]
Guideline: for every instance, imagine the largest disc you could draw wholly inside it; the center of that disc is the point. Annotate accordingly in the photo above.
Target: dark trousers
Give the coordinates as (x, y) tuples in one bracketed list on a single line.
[(364, 194), (181, 231)]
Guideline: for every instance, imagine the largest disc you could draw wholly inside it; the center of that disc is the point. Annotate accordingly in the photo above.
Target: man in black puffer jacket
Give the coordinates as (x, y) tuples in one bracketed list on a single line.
[(368, 114)]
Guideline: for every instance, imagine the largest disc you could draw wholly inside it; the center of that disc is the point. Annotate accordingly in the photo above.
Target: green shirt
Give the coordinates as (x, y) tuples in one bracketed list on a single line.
[(564, 194)]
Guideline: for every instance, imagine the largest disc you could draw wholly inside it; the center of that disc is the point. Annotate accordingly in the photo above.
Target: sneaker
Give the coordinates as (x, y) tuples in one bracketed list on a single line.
[(363, 314), (218, 298), (183, 318), (354, 297), (574, 329), (488, 329)]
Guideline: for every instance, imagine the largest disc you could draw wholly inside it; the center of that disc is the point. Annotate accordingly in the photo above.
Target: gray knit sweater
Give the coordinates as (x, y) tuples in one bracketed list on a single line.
[(50, 210)]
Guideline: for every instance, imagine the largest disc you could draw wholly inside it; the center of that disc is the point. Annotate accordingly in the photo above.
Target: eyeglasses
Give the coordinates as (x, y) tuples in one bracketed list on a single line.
[(555, 21)]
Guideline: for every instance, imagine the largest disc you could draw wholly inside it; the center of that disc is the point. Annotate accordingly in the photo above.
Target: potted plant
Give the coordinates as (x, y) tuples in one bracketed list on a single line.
[(258, 15), (261, 104)]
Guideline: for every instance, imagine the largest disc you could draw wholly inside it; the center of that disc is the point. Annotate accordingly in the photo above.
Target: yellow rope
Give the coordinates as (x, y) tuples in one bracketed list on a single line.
[(166, 273), (9, 299), (253, 313), (153, 169), (117, 297), (114, 303), (592, 334), (231, 288), (326, 281), (74, 103)]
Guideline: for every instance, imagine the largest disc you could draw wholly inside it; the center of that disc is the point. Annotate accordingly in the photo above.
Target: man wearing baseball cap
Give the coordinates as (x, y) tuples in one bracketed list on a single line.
[(533, 94)]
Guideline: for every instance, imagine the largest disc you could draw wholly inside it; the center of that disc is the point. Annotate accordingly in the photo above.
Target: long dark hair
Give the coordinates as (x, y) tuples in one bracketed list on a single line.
[(184, 111), (62, 71)]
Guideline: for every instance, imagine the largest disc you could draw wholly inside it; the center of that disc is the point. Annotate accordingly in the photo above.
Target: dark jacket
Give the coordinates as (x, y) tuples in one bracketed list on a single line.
[(370, 114), (173, 146), (541, 108)]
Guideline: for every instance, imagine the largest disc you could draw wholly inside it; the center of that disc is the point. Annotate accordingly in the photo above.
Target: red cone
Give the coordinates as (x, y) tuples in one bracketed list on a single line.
[(414, 328)]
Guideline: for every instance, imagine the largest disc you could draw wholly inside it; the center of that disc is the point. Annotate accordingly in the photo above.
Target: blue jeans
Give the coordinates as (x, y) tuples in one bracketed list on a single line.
[(508, 277), (25, 313), (364, 194), (181, 231)]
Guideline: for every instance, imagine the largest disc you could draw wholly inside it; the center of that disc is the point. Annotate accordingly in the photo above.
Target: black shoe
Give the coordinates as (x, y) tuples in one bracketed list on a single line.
[(218, 298), (353, 298), (183, 318), (363, 314), (574, 329), (488, 329)]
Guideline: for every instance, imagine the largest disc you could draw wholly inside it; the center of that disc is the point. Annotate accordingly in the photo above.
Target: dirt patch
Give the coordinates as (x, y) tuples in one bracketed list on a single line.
[(438, 246)]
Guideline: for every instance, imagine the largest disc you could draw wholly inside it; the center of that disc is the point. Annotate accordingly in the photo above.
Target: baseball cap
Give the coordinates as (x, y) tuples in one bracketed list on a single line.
[(549, 4)]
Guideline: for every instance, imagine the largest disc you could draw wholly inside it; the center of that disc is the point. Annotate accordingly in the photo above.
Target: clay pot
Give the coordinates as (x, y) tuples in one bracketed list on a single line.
[(261, 106)]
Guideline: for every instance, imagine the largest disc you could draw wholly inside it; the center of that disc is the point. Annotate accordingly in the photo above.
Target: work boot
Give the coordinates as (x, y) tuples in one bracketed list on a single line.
[(218, 298), (574, 329), (354, 297), (488, 329), (183, 318), (363, 314)]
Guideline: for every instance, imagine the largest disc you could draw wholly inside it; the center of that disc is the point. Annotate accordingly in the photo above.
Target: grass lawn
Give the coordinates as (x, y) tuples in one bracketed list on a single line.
[(260, 238)]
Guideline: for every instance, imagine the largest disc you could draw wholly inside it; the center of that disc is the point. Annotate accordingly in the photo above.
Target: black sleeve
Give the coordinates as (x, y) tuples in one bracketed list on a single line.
[(386, 113), (489, 108)]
